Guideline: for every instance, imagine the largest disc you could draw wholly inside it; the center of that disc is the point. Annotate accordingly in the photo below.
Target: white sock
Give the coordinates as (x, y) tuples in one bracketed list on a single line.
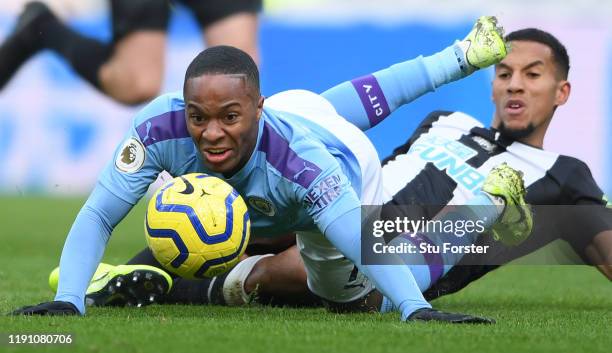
[(461, 48), (233, 287)]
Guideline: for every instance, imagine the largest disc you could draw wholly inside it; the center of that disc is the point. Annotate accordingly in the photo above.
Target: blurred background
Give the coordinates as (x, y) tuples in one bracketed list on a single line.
[(57, 132)]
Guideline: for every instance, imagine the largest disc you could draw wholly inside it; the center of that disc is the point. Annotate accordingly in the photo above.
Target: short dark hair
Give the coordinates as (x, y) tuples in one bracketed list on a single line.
[(559, 52), (224, 60)]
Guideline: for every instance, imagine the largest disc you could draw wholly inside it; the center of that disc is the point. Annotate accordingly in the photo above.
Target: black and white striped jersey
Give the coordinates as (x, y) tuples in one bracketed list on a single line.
[(447, 159), (450, 154)]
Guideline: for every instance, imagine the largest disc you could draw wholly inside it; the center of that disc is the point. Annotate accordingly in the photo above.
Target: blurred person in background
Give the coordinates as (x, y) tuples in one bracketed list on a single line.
[(130, 67)]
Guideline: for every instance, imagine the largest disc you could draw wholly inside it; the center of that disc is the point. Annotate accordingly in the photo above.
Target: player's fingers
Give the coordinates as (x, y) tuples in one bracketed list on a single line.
[(24, 310), (50, 308), (469, 319)]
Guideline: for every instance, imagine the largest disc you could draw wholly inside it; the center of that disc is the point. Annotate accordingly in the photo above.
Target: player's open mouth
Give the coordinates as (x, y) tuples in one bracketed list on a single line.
[(216, 155), (515, 107)]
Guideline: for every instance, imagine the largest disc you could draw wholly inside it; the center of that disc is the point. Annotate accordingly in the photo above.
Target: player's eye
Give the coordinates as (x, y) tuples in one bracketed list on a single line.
[(195, 118), (503, 75), (231, 117), (533, 75)]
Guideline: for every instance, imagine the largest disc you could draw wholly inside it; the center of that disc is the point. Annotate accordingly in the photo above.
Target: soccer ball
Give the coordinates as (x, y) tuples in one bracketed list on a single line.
[(197, 226)]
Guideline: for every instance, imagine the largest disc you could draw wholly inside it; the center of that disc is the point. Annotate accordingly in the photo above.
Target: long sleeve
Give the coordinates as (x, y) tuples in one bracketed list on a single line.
[(367, 100), (395, 281), (85, 244)]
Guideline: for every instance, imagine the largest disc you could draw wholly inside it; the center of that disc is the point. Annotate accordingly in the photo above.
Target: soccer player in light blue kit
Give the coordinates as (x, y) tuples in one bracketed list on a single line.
[(300, 165)]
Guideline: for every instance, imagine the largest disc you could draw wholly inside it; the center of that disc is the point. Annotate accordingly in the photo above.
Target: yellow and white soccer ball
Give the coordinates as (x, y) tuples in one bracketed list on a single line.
[(197, 226)]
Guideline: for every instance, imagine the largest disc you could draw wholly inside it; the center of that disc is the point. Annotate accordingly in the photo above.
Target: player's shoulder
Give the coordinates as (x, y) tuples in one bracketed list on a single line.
[(283, 127), (570, 164), (567, 167), (450, 119), (161, 105), (576, 181), (162, 119), (292, 157)]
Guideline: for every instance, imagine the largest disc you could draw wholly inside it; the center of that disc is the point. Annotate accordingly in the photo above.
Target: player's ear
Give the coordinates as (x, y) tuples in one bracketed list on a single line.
[(260, 103), (563, 91)]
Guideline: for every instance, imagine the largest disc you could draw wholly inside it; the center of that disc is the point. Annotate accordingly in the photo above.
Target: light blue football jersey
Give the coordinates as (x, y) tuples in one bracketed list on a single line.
[(310, 172), (297, 172)]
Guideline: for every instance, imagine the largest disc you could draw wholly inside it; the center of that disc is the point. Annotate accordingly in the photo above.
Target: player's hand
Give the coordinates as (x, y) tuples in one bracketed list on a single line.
[(48, 308), (427, 314)]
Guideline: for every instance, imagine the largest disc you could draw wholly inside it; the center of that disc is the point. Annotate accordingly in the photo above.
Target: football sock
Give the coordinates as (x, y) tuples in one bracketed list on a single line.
[(444, 67), (23, 42), (367, 100), (227, 289), (185, 291), (145, 257), (233, 287), (85, 55), (197, 291)]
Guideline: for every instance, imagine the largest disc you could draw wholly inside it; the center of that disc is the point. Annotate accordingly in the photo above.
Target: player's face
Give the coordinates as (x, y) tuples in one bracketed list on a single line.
[(222, 113), (526, 90)]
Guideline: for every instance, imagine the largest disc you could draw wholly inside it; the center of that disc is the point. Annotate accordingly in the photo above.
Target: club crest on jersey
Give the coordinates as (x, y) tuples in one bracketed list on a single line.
[(131, 156), (261, 205)]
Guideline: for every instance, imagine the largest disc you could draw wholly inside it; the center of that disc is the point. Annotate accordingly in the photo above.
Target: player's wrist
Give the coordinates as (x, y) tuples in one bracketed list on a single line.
[(73, 300)]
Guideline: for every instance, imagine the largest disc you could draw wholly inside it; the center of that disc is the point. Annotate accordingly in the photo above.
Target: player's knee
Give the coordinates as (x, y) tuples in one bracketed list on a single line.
[(141, 90)]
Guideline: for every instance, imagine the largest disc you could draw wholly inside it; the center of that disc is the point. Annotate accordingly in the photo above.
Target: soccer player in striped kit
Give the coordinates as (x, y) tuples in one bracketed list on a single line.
[(525, 105)]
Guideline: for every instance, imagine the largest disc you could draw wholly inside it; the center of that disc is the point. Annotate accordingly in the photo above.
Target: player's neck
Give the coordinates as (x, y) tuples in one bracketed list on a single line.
[(536, 138), (533, 141)]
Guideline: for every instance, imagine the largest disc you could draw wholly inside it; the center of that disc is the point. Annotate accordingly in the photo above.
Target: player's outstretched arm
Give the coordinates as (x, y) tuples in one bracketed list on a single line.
[(83, 252), (394, 281), (453, 318), (367, 100)]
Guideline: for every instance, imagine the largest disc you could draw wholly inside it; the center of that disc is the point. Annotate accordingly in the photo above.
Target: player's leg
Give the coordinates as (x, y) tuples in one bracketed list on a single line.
[(280, 280), (38, 28), (368, 100), (129, 70), (272, 274), (271, 279), (510, 222), (588, 230), (232, 23), (474, 266), (131, 285), (238, 30), (550, 223), (183, 291), (599, 253), (133, 74)]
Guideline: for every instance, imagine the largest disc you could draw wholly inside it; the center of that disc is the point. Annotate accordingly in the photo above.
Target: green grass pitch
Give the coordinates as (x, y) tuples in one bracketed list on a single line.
[(538, 308)]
